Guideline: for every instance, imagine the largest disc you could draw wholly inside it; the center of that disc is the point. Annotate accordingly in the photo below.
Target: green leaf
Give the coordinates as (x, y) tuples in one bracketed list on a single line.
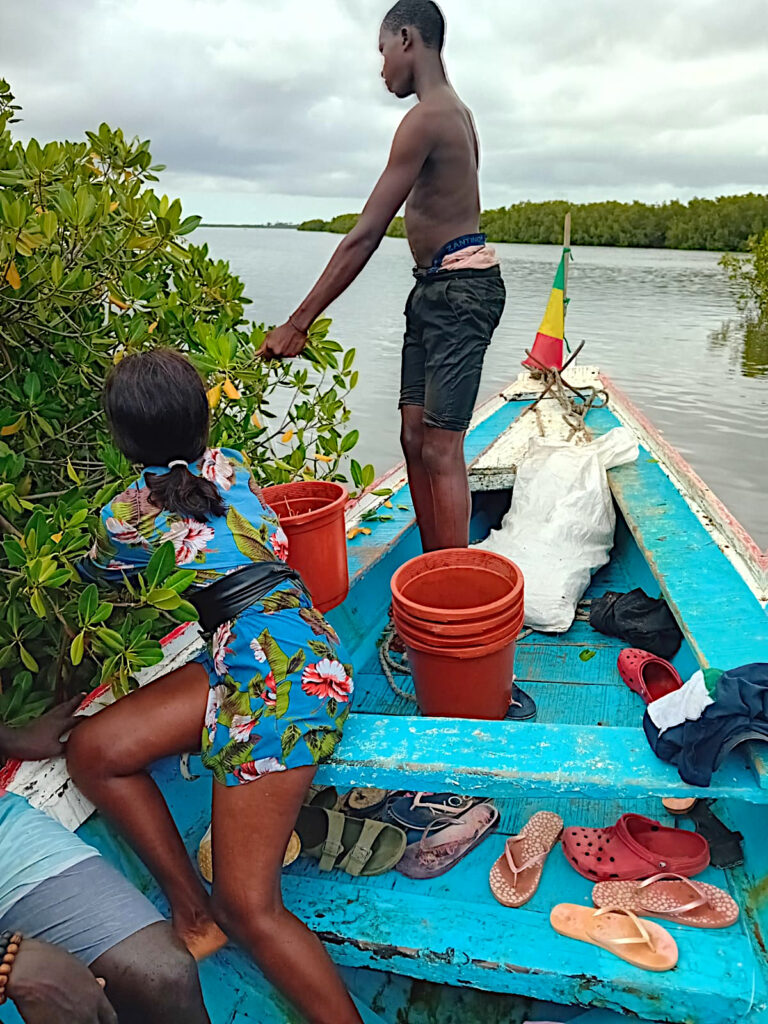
[(72, 474), (163, 597), (332, 707), (14, 552), (76, 649), (87, 603), (188, 224), (101, 614), (179, 581), (111, 639), (161, 564), (38, 607), (587, 655), (350, 440), (56, 271), (27, 659), (185, 612), (32, 387)]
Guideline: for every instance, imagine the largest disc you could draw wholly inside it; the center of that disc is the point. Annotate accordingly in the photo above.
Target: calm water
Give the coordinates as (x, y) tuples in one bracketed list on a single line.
[(662, 323)]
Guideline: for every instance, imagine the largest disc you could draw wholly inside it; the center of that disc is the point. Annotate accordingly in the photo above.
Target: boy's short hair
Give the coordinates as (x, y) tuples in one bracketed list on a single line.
[(424, 15)]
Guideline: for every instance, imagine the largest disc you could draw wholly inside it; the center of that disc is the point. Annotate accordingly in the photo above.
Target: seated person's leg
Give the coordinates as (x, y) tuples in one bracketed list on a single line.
[(152, 978), (86, 907), (107, 758)]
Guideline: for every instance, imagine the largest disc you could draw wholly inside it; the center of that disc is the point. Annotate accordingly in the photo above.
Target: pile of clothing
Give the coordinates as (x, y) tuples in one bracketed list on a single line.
[(695, 726)]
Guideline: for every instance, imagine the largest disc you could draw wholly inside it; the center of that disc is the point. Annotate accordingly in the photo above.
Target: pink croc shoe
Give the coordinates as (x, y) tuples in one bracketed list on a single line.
[(647, 675)]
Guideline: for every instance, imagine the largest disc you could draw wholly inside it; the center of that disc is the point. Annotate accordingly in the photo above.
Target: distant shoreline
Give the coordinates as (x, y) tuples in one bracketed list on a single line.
[(714, 225), (203, 224)]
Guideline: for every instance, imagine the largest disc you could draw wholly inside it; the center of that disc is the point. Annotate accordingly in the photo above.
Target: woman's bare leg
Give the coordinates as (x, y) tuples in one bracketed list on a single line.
[(108, 755), (252, 824)]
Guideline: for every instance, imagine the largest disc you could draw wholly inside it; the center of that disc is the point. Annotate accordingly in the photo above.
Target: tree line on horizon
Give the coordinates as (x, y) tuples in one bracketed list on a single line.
[(725, 224)]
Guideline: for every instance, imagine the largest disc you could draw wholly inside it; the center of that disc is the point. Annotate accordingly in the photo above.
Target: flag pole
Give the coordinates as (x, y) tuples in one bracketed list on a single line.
[(566, 245)]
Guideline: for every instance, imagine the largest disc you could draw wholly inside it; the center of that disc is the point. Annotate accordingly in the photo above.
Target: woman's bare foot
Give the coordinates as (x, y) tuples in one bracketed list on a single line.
[(202, 937)]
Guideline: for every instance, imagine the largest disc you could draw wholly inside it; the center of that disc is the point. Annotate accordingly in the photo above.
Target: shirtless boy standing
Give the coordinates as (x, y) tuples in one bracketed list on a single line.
[(459, 295)]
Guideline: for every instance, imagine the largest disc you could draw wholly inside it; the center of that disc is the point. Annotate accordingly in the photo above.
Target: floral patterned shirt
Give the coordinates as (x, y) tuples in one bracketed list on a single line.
[(131, 527)]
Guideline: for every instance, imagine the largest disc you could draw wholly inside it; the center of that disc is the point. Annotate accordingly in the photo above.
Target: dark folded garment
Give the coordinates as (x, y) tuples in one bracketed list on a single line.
[(232, 594), (639, 620), (739, 714)]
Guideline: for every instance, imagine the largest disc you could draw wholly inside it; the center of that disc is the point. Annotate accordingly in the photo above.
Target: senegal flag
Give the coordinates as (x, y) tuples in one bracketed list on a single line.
[(548, 346)]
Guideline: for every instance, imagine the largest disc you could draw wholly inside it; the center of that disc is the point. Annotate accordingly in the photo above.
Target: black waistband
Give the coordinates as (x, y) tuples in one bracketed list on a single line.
[(232, 594), (462, 242), (455, 244)]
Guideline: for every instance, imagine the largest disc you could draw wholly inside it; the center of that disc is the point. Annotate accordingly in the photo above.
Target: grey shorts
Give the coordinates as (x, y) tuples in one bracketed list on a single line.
[(450, 318), (86, 910)]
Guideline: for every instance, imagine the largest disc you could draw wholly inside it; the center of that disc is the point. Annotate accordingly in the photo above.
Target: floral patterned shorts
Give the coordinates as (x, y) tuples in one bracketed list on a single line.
[(280, 690)]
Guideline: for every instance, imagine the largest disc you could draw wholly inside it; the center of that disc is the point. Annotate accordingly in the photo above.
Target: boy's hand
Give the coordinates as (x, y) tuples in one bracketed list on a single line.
[(41, 738), (49, 986), (283, 342)]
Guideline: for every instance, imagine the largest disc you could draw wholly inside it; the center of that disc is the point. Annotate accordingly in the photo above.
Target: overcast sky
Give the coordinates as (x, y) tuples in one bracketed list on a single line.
[(268, 110)]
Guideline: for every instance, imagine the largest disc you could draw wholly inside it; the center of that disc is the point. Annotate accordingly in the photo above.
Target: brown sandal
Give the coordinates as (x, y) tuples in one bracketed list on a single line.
[(516, 874)]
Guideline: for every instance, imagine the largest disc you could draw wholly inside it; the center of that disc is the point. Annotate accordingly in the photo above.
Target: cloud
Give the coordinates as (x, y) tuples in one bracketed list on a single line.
[(272, 106)]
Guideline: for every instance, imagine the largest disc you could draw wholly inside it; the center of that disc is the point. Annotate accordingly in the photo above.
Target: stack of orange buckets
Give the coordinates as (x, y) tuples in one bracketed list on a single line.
[(459, 612)]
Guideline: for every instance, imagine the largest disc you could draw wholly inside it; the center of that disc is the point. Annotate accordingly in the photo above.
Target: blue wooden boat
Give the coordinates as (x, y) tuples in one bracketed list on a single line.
[(445, 951)]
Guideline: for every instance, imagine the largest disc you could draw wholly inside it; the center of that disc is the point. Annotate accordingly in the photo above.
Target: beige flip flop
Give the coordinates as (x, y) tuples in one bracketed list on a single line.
[(516, 874), (641, 943), (672, 897), (205, 854)]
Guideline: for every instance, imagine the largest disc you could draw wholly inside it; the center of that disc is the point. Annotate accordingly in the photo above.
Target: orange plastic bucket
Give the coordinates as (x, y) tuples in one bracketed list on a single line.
[(485, 638), (475, 627), (457, 585), (312, 515), (459, 612), (465, 683)]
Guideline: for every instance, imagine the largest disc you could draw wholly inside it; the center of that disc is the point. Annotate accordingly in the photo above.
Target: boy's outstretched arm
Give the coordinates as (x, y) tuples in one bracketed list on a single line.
[(410, 148)]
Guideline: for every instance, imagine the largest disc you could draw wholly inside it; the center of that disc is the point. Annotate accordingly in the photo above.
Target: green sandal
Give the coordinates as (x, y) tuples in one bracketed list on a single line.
[(323, 796), (354, 845)]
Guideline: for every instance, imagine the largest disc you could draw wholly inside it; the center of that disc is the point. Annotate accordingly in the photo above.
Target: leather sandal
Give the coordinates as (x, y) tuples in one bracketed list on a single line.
[(357, 846)]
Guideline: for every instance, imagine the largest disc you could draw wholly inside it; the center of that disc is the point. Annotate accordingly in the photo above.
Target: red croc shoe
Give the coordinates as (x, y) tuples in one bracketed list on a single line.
[(647, 675), (634, 848)]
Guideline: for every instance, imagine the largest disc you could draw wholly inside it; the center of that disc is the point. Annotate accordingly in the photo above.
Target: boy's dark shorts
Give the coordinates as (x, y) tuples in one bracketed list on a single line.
[(450, 317)]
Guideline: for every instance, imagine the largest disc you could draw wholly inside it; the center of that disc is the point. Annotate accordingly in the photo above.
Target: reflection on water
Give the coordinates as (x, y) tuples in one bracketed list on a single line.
[(747, 341), (652, 319)]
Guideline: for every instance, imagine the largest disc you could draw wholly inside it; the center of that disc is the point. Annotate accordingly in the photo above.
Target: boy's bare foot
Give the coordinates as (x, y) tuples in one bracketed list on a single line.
[(202, 937)]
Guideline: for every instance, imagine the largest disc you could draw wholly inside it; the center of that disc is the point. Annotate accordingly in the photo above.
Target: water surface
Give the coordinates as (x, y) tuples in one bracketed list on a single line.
[(663, 323)]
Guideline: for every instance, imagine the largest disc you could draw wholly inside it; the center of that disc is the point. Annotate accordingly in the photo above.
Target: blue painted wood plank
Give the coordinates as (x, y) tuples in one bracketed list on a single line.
[(721, 616), (452, 930), (504, 758)]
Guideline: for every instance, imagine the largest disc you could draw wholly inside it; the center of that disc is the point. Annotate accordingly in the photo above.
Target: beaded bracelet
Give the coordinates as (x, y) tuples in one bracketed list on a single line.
[(9, 948)]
